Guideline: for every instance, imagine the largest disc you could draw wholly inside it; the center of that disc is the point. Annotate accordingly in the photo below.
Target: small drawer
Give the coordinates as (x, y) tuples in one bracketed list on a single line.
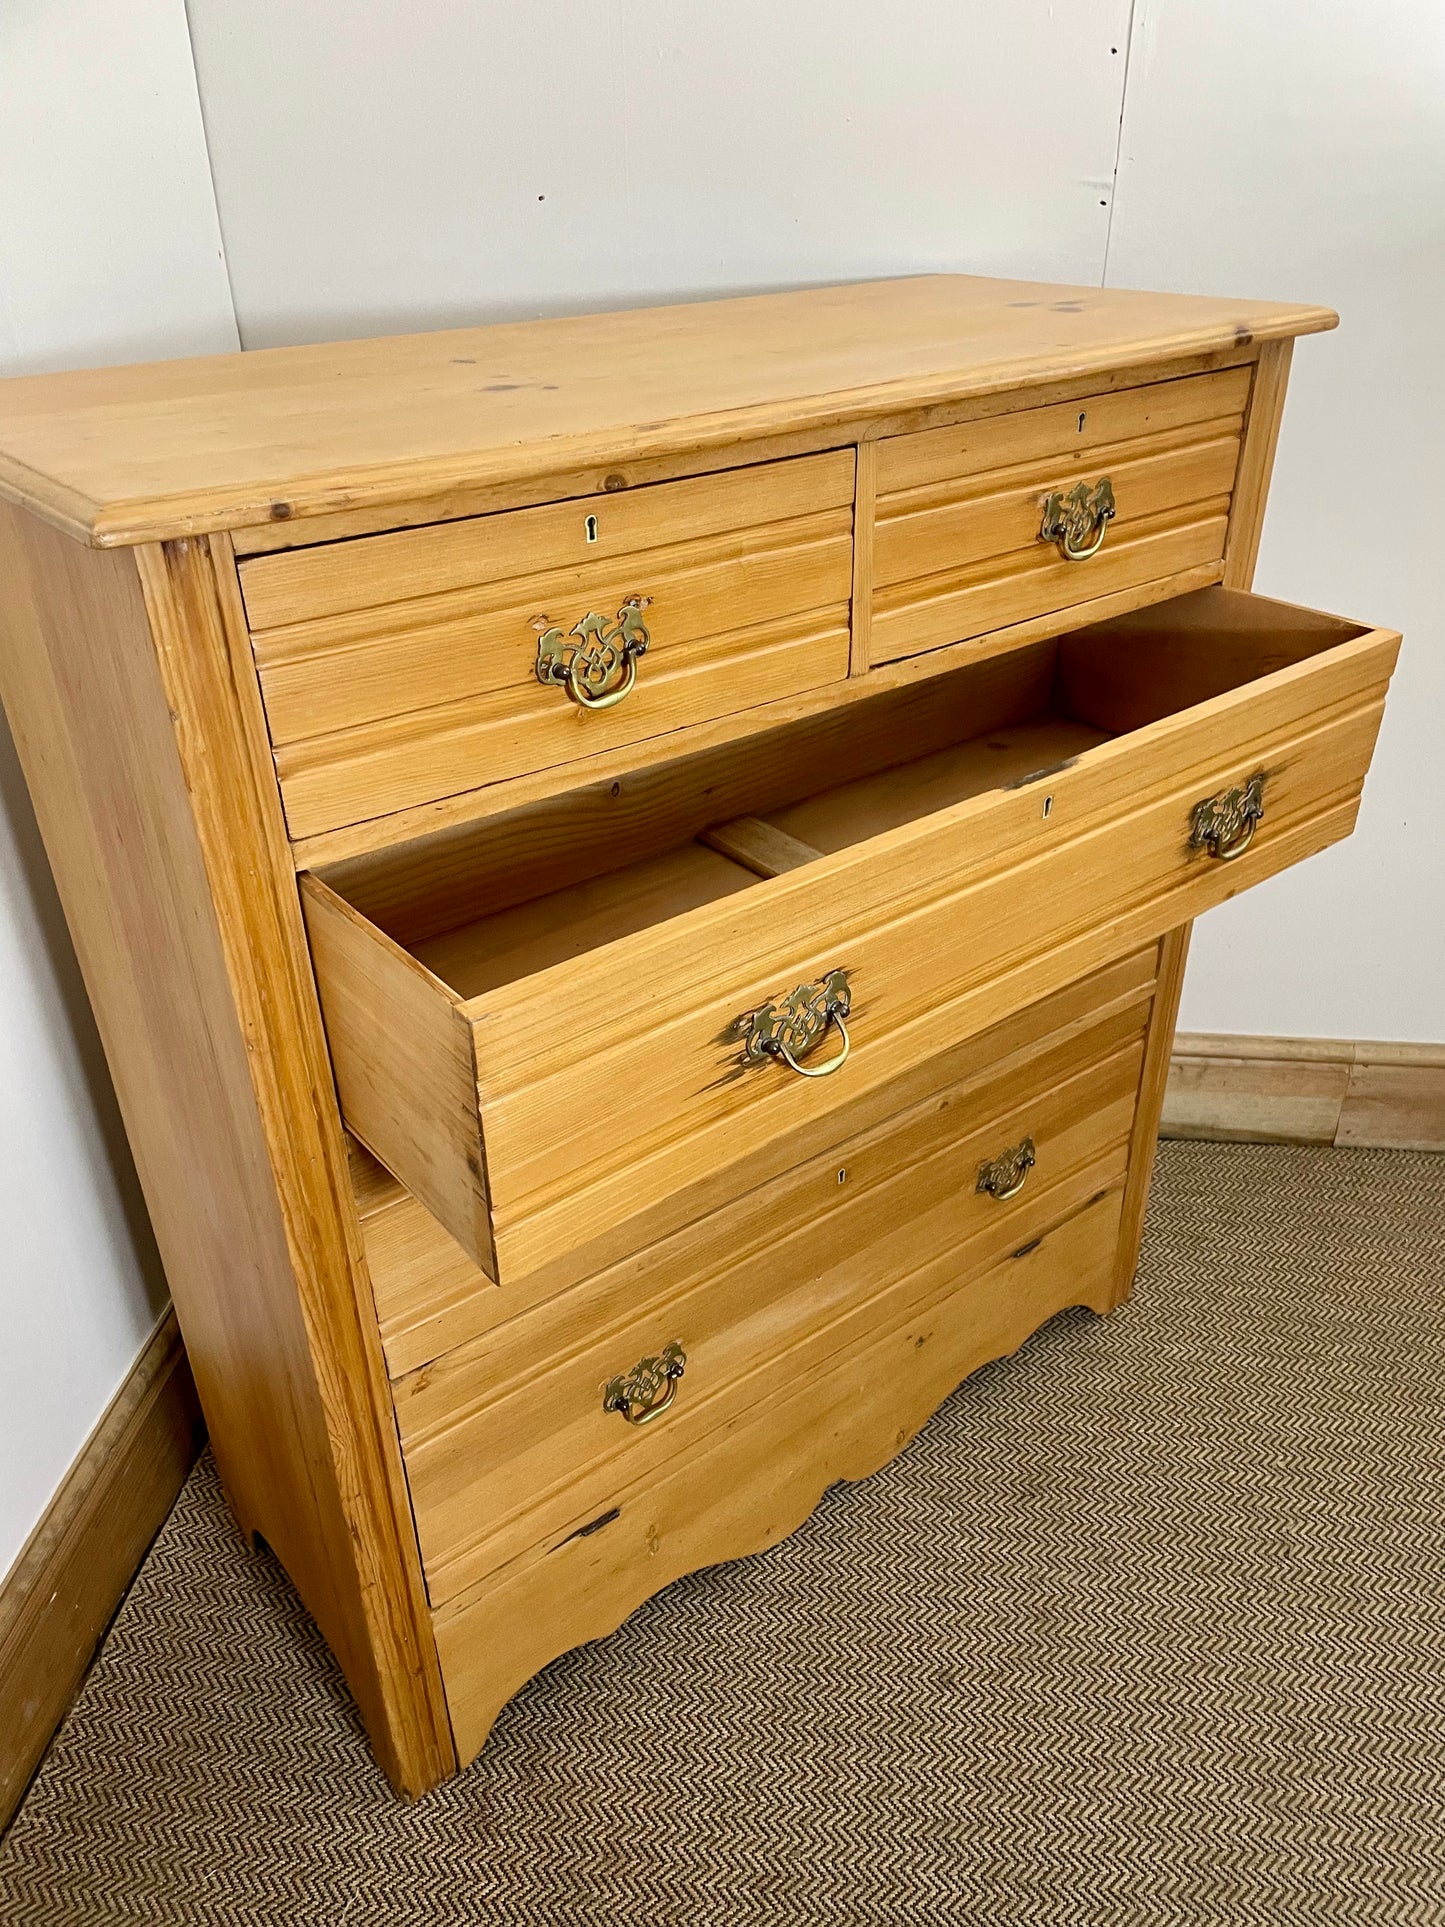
[(400, 668), (514, 1436), (1020, 515), (545, 1073)]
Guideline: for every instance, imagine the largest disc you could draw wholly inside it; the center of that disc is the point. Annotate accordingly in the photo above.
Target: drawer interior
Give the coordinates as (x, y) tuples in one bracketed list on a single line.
[(602, 865)]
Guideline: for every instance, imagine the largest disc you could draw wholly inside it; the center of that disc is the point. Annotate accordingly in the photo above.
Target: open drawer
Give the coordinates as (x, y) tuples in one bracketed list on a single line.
[(558, 1023)]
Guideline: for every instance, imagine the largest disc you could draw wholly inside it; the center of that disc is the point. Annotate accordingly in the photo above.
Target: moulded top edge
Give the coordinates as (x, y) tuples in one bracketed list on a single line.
[(163, 450)]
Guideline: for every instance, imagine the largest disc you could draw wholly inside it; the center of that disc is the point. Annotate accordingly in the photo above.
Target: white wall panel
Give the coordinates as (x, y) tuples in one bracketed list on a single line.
[(381, 166), (109, 251), (1297, 149)]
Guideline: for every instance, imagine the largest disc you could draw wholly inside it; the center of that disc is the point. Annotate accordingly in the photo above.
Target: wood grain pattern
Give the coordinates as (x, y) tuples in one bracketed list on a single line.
[(338, 673), (464, 497), (943, 918), (957, 548), (431, 885), (169, 855), (881, 725), (760, 1479), (940, 530), (305, 585), (407, 760), (617, 770), (1158, 557), (227, 442), (865, 519), (922, 977), (402, 1053), (1395, 1097), (760, 847), (432, 1299), (512, 1445), (1153, 1078), (1256, 464), (1076, 432), (401, 668), (59, 1595)]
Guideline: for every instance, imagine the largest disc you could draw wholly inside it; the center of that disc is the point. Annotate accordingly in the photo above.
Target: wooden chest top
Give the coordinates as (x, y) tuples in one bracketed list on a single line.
[(170, 449)]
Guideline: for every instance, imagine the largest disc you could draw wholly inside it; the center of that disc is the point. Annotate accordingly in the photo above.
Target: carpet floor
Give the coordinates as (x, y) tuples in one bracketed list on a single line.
[(1146, 1626)]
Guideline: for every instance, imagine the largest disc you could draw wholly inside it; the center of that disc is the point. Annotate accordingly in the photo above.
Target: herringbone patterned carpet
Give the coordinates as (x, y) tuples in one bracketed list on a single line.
[(1148, 1626)]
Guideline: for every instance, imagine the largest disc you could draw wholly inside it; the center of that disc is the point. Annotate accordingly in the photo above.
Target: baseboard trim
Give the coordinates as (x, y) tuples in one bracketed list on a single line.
[(61, 1594), (1306, 1090)]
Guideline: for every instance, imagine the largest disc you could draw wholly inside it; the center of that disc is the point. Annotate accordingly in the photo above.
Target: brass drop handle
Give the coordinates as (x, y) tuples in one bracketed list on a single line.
[(595, 662), (1224, 824), (787, 1028), (647, 1391), (1005, 1176), (777, 1048), (1078, 522)]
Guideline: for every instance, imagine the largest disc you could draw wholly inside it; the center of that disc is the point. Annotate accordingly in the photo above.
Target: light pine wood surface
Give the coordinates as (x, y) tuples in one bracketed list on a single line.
[(433, 1300), (882, 724), (941, 907), (496, 1467), (227, 442), (760, 1480), (170, 860)]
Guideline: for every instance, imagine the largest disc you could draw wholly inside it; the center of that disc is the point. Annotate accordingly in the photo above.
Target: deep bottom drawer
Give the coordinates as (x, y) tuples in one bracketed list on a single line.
[(760, 1476)]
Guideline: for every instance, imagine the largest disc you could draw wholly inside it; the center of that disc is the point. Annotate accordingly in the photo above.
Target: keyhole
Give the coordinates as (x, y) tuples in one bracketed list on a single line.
[(1048, 805), (1083, 417), (590, 525)]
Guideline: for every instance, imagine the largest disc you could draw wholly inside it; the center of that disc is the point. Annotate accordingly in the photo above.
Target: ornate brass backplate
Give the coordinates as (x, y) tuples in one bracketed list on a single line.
[(788, 1027), (1003, 1177), (1225, 824), (596, 661), (1077, 522), (649, 1388)]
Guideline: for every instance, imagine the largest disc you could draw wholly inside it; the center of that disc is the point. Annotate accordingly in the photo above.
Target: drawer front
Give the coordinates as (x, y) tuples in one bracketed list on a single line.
[(402, 668), (944, 926), (751, 1483), (432, 1299), (958, 542), (555, 1107), (534, 1427)]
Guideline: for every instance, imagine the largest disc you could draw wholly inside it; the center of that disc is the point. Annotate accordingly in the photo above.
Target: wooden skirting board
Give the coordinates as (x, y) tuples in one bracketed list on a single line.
[(61, 1593), (1302, 1090)]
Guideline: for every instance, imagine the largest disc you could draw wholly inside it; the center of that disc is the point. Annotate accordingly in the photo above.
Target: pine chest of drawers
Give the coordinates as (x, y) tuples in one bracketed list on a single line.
[(634, 874)]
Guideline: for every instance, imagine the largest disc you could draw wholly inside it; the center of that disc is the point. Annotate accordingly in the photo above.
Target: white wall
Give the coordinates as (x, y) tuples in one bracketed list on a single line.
[(384, 165), (109, 251), (1297, 149), (388, 164)]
